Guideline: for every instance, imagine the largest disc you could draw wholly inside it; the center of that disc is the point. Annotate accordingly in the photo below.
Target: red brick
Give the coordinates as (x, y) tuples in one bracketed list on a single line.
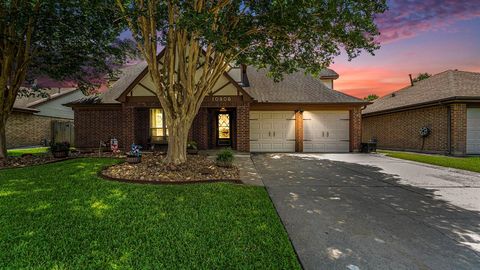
[(400, 130)]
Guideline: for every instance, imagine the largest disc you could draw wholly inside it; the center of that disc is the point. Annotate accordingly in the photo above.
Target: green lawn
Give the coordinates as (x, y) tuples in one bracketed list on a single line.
[(62, 216), (464, 163), (33, 150)]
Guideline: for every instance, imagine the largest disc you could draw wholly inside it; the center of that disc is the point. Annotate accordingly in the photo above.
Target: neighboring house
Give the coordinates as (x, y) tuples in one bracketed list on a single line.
[(32, 118), (245, 111), (447, 103)]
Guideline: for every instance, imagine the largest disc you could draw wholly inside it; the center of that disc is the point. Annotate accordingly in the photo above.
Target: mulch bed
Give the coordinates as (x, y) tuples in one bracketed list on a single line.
[(27, 160), (153, 169)]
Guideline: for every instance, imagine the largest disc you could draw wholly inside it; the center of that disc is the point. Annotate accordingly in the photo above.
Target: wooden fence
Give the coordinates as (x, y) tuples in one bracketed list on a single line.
[(63, 131)]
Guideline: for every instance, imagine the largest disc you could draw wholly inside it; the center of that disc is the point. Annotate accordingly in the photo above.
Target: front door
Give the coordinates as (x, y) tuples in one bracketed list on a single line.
[(224, 129)]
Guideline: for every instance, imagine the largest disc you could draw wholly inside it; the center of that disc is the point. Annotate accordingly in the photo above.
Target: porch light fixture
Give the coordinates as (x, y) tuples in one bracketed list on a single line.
[(223, 109)]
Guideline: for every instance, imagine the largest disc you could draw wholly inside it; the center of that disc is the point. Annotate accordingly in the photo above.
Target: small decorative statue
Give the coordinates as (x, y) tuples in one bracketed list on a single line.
[(135, 155), (114, 145), (135, 150)]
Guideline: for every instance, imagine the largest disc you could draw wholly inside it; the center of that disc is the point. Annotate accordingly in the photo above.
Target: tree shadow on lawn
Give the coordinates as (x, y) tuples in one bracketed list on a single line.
[(362, 216), (63, 216)]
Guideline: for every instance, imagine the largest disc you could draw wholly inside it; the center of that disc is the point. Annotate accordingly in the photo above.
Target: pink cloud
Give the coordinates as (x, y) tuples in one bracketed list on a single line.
[(408, 18), (365, 80), (362, 81)]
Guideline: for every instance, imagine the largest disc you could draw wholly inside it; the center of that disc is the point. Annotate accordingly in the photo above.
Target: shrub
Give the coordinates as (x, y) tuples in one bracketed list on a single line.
[(192, 145), (225, 157)]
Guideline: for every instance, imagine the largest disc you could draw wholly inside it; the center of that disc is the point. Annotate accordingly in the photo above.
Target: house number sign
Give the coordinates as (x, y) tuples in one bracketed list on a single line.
[(220, 99)]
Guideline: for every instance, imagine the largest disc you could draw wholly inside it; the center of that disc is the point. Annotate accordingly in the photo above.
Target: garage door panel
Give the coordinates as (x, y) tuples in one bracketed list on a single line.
[(265, 136), (273, 132), (279, 126), (475, 124), (266, 125), (266, 147), (337, 147), (313, 147), (255, 136), (254, 146), (255, 125), (326, 131), (337, 134), (312, 136), (254, 115), (473, 131)]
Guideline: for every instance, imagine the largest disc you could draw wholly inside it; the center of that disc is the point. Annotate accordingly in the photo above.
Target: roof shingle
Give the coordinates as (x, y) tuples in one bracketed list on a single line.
[(445, 85), (297, 87), (25, 103)]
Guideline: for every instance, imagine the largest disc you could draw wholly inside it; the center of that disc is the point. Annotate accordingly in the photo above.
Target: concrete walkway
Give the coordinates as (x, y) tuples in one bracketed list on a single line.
[(360, 211), (247, 170)]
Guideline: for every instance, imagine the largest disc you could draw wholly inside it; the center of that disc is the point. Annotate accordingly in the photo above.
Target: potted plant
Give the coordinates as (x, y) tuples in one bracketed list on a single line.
[(135, 155), (192, 148), (60, 149), (225, 158)]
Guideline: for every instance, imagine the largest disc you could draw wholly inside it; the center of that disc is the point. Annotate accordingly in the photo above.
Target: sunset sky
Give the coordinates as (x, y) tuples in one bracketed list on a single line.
[(416, 36)]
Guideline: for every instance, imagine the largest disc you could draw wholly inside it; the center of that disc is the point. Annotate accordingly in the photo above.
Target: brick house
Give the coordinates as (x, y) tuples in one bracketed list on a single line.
[(32, 119), (245, 110), (448, 104)]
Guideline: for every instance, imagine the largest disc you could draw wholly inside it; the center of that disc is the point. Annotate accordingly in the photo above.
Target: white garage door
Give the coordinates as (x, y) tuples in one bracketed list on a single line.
[(272, 131), (326, 131), (473, 131)]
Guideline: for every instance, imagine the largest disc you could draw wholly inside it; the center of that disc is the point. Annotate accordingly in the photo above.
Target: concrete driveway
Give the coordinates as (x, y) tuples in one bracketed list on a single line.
[(361, 211)]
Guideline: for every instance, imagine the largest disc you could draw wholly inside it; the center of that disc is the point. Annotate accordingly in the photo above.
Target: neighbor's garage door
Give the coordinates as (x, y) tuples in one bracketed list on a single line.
[(473, 131), (326, 131), (272, 131)]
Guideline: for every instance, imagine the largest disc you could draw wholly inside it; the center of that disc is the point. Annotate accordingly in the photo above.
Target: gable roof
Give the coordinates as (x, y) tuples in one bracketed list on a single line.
[(447, 85), (328, 74), (297, 87), (261, 88), (28, 104), (129, 76)]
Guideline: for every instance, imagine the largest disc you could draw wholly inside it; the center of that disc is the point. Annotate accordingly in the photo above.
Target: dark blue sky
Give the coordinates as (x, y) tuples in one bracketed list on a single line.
[(417, 36)]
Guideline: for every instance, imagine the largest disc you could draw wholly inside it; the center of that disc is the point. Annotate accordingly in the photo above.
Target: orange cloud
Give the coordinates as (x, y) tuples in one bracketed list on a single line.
[(361, 82)]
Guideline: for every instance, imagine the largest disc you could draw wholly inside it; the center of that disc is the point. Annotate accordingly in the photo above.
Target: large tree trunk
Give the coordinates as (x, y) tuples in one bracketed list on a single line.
[(3, 140), (177, 139)]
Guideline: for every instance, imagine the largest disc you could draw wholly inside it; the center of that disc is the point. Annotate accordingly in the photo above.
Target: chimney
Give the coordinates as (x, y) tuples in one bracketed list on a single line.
[(243, 75), (411, 80)]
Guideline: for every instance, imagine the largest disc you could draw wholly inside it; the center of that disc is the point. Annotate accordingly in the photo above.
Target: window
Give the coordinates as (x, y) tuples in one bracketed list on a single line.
[(223, 126), (158, 127)]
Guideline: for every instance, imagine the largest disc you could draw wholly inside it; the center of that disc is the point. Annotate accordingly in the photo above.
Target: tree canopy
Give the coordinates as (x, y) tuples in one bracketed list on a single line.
[(281, 36), (73, 40), (422, 76), (371, 97)]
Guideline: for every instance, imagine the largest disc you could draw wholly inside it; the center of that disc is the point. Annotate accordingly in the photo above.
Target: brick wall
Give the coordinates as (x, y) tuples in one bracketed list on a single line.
[(93, 125), (243, 128), (459, 129), (199, 130), (400, 130), (128, 122), (298, 131), (355, 129), (24, 129)]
